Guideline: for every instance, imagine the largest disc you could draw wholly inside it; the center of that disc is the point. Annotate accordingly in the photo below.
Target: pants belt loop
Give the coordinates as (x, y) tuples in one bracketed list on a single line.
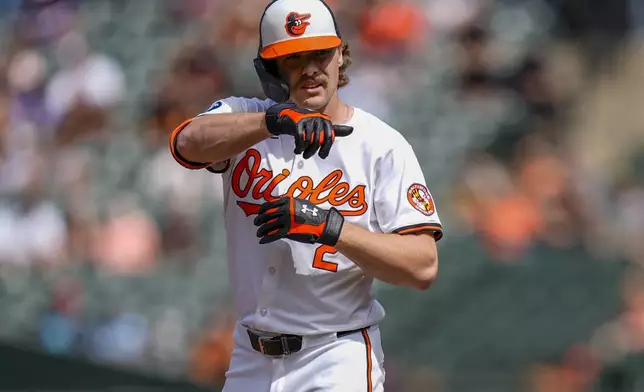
[(261, 345)]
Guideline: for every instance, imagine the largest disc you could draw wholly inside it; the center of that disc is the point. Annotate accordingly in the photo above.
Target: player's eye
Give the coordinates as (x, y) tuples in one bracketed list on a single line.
[(291, 61), (323, 53)]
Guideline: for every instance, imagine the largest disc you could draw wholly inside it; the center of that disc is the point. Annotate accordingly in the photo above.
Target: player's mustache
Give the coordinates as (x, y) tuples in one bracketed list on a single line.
[(321, 81)]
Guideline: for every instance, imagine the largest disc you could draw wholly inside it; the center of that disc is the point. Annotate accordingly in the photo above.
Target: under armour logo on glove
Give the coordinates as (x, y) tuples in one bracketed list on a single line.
[(305, 210), (291, 218), (312, 131)]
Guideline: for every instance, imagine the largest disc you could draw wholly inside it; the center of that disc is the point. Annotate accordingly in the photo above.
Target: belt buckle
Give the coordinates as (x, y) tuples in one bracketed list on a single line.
[(283, 340), (285, 348)]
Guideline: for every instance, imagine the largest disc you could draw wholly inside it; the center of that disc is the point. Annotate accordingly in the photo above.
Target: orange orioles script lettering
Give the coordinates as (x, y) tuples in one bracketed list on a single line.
[(260, 184)]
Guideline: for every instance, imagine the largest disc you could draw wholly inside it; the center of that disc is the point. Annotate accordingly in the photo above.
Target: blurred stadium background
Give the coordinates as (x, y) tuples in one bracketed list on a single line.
[(528, 119)]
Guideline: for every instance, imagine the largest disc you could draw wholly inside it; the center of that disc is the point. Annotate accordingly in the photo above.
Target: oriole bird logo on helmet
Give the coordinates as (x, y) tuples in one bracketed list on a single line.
[(296, 23)]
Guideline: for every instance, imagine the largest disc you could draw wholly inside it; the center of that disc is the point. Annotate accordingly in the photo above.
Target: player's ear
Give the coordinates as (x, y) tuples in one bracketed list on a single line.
[(340, 58)]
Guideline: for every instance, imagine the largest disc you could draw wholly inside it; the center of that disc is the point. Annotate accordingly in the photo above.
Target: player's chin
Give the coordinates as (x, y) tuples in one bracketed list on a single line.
[(311, 101)]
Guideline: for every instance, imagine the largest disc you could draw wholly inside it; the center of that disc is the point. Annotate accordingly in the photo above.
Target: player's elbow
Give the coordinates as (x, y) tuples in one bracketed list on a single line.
[(426, 274), (187, 143), (192, 145)]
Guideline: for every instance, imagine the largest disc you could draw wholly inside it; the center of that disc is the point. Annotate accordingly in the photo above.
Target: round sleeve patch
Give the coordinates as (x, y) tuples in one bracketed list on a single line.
[(420, 198)]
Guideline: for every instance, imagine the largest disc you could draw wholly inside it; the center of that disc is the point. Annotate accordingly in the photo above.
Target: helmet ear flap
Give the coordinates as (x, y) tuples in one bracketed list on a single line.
[(273, 86)]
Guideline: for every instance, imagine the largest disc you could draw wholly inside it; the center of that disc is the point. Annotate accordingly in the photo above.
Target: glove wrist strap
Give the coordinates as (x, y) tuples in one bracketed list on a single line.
[(273, 118), (333, 228), (272, 122)]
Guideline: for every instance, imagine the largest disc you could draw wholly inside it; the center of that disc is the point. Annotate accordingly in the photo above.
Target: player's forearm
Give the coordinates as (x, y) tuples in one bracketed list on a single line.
[(402, 260), (217, 137)]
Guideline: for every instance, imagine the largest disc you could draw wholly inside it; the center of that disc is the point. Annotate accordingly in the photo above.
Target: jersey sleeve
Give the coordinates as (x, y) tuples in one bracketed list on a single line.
[(402, 202), (226, 105)]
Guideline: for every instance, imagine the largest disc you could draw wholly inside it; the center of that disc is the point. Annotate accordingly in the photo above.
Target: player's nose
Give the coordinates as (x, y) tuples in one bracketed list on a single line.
[(310, 67)]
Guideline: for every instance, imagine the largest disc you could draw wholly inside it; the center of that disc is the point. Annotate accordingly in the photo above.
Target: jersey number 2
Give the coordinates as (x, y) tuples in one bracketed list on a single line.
[(318, 259)]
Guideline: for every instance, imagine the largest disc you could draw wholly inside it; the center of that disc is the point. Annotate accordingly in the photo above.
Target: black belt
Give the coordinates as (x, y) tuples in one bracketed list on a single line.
[(283, 344)]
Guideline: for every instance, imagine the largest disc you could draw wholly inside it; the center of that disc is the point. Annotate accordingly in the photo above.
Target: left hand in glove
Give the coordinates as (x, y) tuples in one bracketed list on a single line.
[(298, 220)]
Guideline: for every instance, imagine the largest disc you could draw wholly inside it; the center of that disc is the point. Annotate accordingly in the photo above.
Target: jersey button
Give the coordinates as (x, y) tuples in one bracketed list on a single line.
[(300, 164), (263, 312), (271, 270)]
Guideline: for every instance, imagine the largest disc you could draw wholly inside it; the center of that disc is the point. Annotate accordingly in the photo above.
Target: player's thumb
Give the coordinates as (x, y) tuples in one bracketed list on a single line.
[(342, 130)]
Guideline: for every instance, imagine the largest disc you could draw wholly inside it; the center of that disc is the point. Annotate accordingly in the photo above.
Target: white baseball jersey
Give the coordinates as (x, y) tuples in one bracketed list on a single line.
[(371, 176)]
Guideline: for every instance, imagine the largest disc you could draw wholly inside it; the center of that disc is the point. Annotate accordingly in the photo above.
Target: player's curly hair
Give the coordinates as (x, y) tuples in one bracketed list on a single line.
[(346, 62)]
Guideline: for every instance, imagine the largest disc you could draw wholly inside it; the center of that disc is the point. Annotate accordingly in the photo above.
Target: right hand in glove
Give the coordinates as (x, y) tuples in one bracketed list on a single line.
[(312, 131)]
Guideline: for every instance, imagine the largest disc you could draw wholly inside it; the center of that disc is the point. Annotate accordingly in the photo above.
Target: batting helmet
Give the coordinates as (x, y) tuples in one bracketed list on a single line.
[(287, 27)]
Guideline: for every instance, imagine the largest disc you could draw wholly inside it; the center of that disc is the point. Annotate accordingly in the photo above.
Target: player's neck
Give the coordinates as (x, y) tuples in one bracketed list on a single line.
[(339, 111)]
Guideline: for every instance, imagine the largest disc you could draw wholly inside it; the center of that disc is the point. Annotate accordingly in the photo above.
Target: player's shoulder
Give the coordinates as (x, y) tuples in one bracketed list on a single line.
[(235, 104), (377, 132)]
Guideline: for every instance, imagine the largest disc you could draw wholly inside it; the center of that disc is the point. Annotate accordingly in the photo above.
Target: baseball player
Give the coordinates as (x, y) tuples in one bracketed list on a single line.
[(320, 199)]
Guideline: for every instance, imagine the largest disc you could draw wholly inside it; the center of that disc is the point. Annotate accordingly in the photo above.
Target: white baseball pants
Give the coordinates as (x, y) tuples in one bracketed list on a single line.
[(351, 363)]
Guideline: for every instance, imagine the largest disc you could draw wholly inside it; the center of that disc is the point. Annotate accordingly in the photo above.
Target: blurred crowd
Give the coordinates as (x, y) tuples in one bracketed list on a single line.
[(525, 115)]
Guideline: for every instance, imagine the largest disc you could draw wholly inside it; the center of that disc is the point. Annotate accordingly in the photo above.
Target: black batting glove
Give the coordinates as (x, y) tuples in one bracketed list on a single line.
[(298, 220), (312, 131)]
